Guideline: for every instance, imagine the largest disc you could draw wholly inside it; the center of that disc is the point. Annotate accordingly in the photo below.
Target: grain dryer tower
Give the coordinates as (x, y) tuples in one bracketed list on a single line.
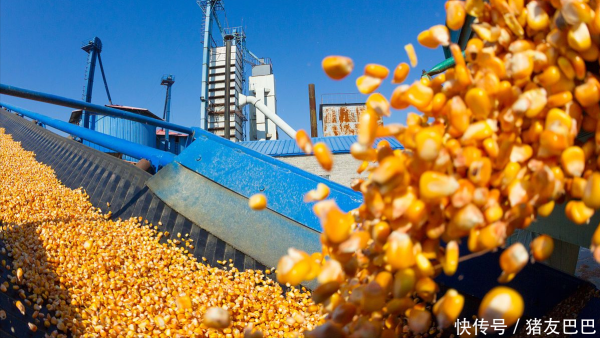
[(262, 85), (217, 90)]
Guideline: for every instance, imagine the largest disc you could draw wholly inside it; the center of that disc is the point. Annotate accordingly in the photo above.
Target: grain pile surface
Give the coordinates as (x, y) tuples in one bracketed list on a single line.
[(87, 275)]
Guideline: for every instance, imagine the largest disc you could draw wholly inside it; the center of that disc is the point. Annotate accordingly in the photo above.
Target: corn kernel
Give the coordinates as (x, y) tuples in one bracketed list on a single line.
[(337, 67)]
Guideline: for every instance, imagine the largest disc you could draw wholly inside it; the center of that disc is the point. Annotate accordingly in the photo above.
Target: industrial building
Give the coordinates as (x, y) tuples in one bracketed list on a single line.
[(340, 113)]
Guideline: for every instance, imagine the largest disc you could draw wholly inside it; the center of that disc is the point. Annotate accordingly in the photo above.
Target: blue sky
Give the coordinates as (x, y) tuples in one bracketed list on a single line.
[(40, 48)]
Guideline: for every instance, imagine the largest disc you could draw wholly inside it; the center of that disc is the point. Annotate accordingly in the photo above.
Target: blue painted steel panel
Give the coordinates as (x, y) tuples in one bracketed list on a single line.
[(132, 131), (337, 145), (248, 172)]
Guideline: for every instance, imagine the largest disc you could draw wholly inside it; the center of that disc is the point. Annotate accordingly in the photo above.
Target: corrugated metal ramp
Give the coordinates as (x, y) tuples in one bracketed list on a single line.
[(106, 179)]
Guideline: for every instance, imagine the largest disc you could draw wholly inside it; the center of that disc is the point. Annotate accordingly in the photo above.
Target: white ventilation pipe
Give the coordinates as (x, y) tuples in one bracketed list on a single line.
[(244, 100)]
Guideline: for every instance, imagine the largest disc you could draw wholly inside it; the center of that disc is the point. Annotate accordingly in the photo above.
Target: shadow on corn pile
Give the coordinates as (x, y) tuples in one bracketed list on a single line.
[(27, 308)]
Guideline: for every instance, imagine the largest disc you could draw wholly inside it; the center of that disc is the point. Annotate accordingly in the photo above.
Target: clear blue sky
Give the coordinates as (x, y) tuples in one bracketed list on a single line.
[(40, 48)]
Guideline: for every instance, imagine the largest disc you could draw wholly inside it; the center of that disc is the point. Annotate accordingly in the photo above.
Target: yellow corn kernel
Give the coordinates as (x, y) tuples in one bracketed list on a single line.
[(493, 213), (463, 76), (216, 318), (455, 14), (546, 209), (478, 131), (501, 303), (521, 65), (404, 283), (363, 166), (433, 185), (426, 39), (398, 99), (578, 64), (514, 258), (560, 99), (591, 194), (419, 95), (549, 76), (336, 224), (419, 319), (572, 160), (587, 94), (579, 37), (416, 212), (379, 104), (475, 8), (423, 265), (318, 194), (429, 143), (567, 68), (257, 202), (337, 67), (20, 307), (480, 172), (578, 187), (479, 102), (401, 72), (576, 11), (412, 56), (491, 147), (323, 154), (399, 252), (448, 308), (304, 142), (537, 18), (542, 247), (367, 84), (464, 194), (426, 288), (450, 259), (459, 115), (377, 71), (578, 212), (463, 220)]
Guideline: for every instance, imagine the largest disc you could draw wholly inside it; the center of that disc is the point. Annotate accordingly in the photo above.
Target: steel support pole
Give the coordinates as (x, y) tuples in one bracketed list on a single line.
[(167, 115), (228, 39), (205, 63), (89, 86), (313, 111)]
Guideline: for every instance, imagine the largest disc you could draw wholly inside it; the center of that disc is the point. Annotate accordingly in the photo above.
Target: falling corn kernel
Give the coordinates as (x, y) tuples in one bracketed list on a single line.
[(257, 202), (323, 155), (20, 307), (501, 303), (448, 308), (367, 84), (216, 318), (542, 247), (337, 67), (455, 14), (377, 71), (401, 72), (318, 194), (412, 56), (303, 141)]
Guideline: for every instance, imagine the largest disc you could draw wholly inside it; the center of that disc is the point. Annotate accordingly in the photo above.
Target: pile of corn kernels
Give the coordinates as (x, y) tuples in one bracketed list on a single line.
[(494, 148), (99, 277)]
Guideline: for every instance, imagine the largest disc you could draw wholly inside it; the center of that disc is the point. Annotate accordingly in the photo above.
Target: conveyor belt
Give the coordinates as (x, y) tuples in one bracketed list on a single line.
[(106, 179)]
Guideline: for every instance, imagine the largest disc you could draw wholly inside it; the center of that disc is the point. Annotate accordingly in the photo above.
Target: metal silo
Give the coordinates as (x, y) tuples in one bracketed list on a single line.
[(136, 132)]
